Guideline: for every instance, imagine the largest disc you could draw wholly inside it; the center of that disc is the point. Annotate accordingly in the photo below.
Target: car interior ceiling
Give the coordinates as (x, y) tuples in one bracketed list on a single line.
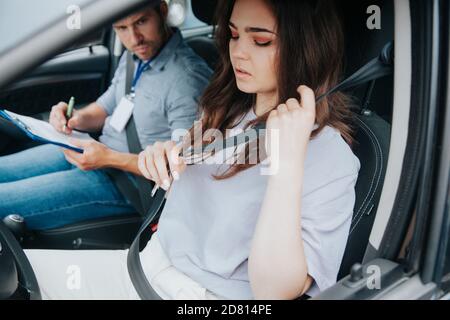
[(362, 45)]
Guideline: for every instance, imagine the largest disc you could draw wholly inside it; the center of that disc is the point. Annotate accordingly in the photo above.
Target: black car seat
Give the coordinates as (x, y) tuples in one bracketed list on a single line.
[(372, 146), (372, 121), (362, 44), (205, 47)]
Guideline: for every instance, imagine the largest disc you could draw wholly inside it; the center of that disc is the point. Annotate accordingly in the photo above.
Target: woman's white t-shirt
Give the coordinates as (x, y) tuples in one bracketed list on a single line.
[(207, 225)]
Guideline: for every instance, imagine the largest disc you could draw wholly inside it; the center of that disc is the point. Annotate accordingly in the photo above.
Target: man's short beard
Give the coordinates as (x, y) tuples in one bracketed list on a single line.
[(164, 32)]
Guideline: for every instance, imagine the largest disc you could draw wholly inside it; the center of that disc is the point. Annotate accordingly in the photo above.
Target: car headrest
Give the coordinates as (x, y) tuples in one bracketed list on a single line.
[(177, 13), (204, 10)]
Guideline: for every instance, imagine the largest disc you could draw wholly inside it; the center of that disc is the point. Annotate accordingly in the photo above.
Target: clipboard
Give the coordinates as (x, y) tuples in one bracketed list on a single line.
[(41, 131)]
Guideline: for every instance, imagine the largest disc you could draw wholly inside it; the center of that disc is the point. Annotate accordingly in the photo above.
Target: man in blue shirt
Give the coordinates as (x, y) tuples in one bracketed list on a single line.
[(51, 187)]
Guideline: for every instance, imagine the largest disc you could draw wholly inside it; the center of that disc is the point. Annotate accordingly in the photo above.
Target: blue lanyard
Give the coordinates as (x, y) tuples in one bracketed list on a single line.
[(140, 70)]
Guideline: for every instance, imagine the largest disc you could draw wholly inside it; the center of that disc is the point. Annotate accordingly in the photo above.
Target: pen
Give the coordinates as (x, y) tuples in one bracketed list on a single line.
[(70, 108), (69, 111)]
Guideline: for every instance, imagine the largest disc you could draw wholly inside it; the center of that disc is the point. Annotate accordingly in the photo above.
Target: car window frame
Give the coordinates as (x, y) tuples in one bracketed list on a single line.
[(436, 247), (442, 270)]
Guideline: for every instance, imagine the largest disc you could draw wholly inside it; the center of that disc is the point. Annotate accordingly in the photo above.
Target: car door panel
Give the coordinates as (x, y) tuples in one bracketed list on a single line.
[(80, 73)]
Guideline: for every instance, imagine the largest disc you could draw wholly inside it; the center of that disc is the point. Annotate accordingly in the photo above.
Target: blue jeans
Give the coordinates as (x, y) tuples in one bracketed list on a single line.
[(49, 192)]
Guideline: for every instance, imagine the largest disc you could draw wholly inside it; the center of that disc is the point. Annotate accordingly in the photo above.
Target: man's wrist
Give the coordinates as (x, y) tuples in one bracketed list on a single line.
[(112, 159), (122, 161)]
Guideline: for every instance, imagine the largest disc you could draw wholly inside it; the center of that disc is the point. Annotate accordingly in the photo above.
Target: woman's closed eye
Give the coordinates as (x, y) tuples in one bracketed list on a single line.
[(263, 42), (259, 41)]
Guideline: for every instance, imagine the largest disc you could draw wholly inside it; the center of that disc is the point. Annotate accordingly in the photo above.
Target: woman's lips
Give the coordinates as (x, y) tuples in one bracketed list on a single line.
[(242, 73)]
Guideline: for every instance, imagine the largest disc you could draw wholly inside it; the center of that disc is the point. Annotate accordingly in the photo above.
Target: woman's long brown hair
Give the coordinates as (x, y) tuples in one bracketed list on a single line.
[(311, 51)]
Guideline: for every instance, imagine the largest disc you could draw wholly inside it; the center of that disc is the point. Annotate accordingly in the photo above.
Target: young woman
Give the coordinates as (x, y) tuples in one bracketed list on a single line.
[(228, 230)]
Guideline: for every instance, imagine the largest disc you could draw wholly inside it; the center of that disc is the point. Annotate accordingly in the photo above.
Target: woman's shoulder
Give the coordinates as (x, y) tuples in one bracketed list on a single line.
[(331, 155)]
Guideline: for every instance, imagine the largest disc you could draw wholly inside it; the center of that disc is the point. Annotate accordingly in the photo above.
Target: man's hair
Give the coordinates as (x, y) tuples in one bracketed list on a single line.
[(156, 6)]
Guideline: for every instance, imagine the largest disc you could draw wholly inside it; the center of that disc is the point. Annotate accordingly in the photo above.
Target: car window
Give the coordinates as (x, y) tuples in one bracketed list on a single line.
[(21, 18), (24, 17)]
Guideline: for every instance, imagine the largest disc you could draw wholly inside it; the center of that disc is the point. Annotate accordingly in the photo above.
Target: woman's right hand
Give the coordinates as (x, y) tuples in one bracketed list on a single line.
[(161, 162)]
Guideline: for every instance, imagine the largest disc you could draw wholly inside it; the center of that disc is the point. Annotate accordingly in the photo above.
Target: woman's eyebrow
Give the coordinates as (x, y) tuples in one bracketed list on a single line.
[(251, 29), (256, 29)]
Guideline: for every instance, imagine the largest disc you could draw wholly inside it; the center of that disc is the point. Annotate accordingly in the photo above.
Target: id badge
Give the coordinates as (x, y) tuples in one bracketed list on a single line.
[(122, 114)]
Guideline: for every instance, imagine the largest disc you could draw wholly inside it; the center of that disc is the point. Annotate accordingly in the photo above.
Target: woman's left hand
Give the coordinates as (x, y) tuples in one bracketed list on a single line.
[(289, 128)]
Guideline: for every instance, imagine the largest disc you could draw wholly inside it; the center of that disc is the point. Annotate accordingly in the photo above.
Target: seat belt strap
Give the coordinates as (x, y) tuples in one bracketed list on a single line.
[(368, 95), (378, 67), (140, 196), (137, 275)]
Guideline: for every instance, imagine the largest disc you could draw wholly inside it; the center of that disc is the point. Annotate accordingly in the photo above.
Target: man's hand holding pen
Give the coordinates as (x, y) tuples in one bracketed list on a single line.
[(64, 118)]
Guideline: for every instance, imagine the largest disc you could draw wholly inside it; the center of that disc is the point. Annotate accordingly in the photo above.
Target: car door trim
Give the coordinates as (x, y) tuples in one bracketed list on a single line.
[(400, 122)]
